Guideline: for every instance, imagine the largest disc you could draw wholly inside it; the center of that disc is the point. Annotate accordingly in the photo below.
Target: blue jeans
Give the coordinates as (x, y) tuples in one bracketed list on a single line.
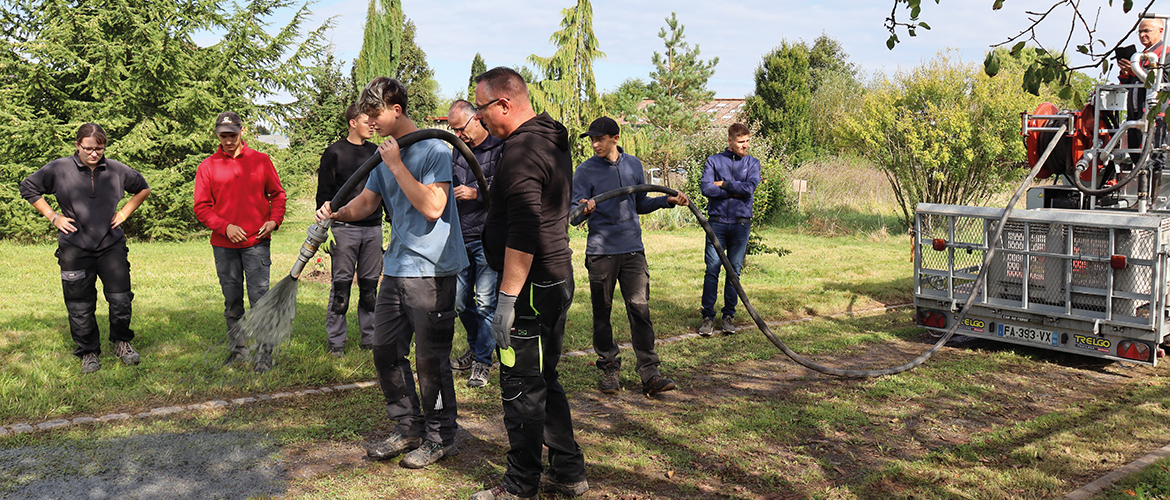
[(233, 265), (476, 302), (734, 240)]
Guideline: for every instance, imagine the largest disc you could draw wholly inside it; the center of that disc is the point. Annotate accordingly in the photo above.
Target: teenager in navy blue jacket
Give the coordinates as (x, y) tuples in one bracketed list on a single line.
[(729, 181)]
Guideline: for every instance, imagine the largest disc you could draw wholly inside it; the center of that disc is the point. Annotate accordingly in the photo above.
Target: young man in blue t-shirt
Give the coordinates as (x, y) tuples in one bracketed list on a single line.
[(417, 294)]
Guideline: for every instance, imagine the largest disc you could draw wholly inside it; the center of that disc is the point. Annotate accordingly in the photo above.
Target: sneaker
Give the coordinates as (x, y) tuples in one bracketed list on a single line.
[(463, 362), (391, 447), (367, 347), (427, 454), (263, 359), (336, 352), (727, 325), (707, 328), (479, 374), (549, 485), (609, 383), (90, 363), (126, 353), (497, 493), (235, 357), (657, 384)]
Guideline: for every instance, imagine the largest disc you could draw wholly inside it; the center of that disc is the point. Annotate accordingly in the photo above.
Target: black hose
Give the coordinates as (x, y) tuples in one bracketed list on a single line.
[(403, 143), (576, 218)]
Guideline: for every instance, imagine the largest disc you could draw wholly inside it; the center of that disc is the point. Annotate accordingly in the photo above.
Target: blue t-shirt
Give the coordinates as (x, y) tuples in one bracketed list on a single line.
[(418, 247)]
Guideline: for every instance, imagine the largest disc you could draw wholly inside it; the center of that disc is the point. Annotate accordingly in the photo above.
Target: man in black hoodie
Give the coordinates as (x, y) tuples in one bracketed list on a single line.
[(526, 240)]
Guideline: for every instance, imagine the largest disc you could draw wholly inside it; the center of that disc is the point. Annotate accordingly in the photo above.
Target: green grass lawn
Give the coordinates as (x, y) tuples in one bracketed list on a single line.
[(985, 421), (178, 315)]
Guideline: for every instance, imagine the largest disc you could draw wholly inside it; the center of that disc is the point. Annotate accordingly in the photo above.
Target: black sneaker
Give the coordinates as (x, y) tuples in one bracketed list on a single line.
[(235, 357), (707, 328), (427, 454), (609, 383), (480, 372), (463, 362), (367, 347), (336, 352), (391, 447), (263, 359), (549, 485), (90, 363), (657, 384), (126, 353), (728, 325)]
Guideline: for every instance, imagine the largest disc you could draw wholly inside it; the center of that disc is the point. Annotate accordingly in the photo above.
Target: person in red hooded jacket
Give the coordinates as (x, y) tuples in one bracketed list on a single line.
[(239, 197)]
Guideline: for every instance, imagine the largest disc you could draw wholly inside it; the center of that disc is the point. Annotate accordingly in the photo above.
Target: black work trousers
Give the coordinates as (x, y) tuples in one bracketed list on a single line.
[(536, 410), (80, 270), (632, 272), (423, 308)]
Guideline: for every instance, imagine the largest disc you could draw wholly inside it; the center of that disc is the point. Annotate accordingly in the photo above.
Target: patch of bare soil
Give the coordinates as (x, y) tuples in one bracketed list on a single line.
[(846, 456)]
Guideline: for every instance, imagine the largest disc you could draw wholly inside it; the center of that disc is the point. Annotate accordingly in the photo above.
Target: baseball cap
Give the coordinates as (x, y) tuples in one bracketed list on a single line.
[(228, 122), (602, 126)]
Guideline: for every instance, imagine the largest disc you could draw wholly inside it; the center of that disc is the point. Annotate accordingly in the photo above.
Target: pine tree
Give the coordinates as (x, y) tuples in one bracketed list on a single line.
[(382, 45), (679, 81), (477, 68)]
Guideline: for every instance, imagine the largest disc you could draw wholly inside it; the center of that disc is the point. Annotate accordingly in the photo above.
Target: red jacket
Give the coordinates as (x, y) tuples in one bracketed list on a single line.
[(244, 191)]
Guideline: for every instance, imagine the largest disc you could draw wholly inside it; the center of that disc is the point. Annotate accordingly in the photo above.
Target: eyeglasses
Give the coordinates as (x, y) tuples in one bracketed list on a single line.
[(89, 151), (481, 107), (1148, 30), (464, 127)]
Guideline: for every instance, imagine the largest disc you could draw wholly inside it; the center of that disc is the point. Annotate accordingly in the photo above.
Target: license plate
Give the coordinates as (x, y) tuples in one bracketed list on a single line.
[(1029, 334)]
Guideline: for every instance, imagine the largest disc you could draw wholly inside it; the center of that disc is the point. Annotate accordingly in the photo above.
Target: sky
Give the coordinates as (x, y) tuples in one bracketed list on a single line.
[(740, 33)]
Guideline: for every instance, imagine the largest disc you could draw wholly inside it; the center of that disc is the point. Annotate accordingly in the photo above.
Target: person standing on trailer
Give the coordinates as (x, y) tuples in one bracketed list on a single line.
[(614, 254), (90, 241), (357, 248), (729, 181), (475, 290), (417, 295), (238, 197)]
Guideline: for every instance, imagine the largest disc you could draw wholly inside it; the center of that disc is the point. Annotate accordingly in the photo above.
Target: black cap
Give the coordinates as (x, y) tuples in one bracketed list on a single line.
[(228, 122), (602, 126)]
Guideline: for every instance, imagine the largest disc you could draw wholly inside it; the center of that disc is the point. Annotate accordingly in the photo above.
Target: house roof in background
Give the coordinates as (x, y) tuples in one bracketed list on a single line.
[(722, 111)]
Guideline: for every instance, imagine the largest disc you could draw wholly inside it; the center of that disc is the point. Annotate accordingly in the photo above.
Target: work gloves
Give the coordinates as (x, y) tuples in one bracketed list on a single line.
[(502, 327)]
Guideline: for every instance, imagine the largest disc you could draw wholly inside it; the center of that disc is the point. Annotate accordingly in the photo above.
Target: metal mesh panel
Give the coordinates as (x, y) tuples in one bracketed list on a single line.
[(969, 230), (1085, 302), (1006, 268), (1094, 242)]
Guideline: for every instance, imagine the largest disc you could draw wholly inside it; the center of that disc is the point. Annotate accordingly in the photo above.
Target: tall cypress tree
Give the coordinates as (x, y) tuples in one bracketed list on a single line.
[(568, 91), (382, 45), (477, 68)]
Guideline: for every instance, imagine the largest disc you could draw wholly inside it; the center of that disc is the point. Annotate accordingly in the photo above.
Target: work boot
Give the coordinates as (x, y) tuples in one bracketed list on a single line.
[(391, 447), (126, 353), (609, 383), (727, 325), (90, 363), (657, 384), (336, 352), (549, 485), (707, 328), (263, 358), (463, 362), (497, 493), (479, 374), (427, 454)]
